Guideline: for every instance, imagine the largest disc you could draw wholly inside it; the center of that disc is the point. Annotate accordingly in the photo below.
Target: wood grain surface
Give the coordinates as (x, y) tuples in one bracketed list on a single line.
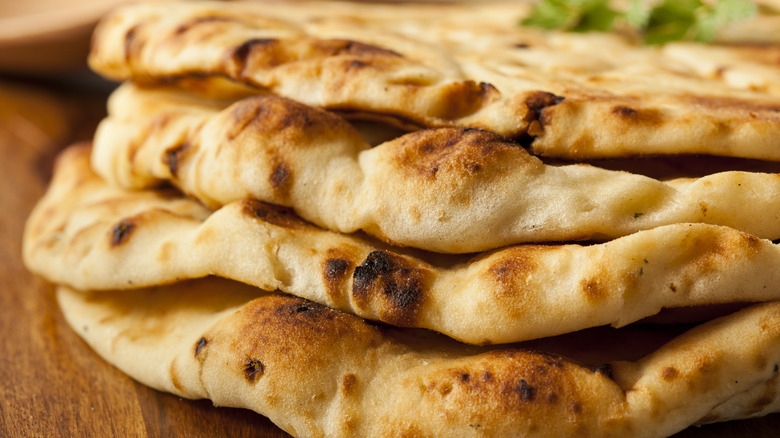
[(51, 383)]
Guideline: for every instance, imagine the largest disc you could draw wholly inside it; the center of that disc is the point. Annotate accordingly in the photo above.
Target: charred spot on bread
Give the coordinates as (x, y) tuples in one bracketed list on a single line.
[(241, 54), (285, 123), (605, 370), (253, 369), (536, 102), (335, 269), (272, 214), (173, 158), (298, 306), (526, 391), (514, 266), (280, 179), (122, 231), (272, 52), (628, 114), (392, 283), (452, 151), (303, 307), (202, 342)]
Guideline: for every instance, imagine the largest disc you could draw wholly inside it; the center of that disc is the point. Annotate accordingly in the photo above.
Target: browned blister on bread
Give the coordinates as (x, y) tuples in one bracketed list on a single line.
[(93, 236), (469, 65), (454, 190), (418, 87), (315, 371), (333, 154)]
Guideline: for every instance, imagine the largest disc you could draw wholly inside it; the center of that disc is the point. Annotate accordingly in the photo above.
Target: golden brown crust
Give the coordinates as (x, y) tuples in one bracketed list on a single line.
[(93, 236), (447, 189), (267, 52), (492, 94), (472, 66), (346, 377)]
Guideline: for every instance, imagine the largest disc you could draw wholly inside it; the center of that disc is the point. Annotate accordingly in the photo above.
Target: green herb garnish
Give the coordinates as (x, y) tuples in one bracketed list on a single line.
[(572, 15), (656, 22)]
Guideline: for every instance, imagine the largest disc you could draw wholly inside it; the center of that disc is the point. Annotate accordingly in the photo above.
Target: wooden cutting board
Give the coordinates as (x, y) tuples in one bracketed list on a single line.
[(51, 383)]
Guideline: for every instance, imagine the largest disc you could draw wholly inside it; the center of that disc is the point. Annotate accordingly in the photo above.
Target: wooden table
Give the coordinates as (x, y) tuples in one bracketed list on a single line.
[(51, 383)]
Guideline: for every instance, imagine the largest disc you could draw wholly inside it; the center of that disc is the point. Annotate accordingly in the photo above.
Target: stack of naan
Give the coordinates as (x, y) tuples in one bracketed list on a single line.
[(426, 220)]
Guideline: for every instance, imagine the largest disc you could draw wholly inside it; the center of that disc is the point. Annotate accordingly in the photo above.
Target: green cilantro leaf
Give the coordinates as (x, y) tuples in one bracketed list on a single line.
[(596, 17), (671, 20), (656, 22), (572, 15), (552, 14)]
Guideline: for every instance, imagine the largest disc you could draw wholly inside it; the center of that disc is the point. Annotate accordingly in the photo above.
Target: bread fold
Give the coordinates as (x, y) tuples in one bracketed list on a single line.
[(93, 236), (316, 372), (445, 190)]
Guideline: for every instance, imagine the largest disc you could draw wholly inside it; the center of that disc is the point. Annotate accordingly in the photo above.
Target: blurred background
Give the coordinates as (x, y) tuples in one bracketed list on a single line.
[(51, 383), (47, 37)]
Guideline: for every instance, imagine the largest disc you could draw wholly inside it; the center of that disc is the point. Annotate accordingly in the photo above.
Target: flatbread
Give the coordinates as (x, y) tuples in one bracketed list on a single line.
[(93, 236), (318, 372), (445, 190), (573, 96)]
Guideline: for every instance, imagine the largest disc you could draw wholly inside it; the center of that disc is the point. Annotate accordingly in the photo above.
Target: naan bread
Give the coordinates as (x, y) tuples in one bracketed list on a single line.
[(571, 96), (445, 190), (94, 236), (319, 372)]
